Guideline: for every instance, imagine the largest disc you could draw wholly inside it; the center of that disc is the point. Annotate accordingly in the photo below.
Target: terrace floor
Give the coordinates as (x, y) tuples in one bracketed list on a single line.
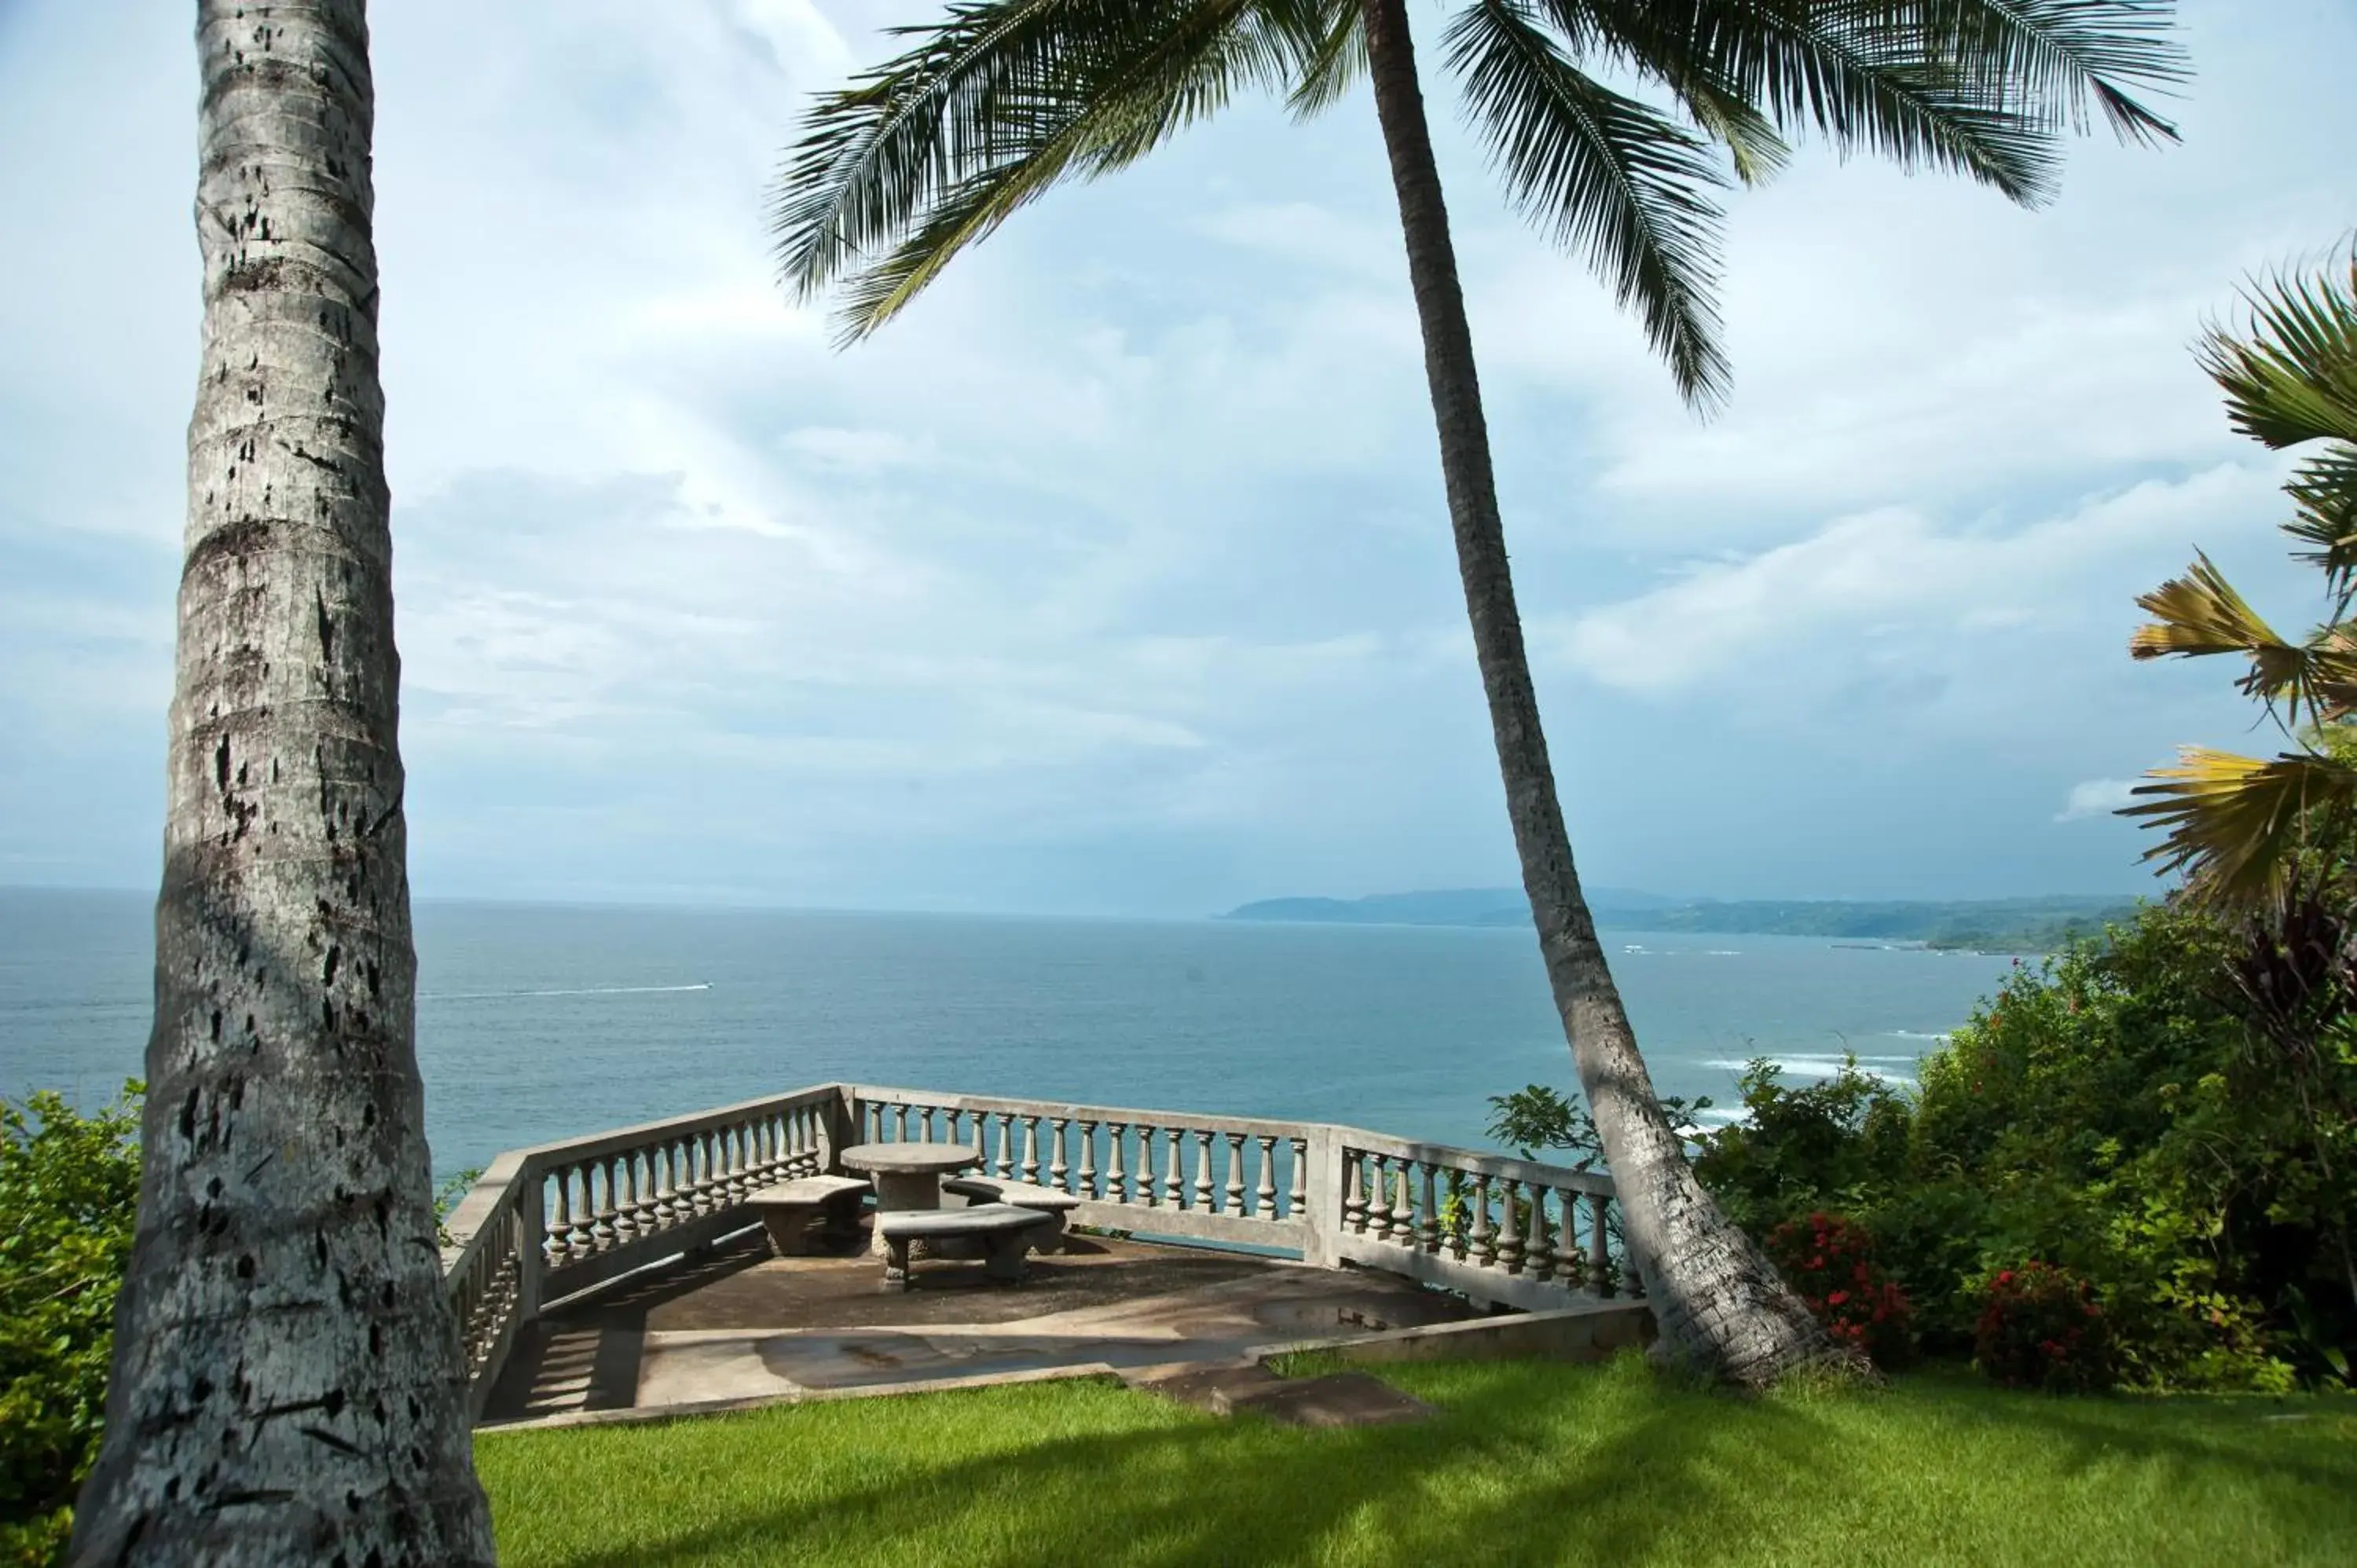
[(741, 1325)]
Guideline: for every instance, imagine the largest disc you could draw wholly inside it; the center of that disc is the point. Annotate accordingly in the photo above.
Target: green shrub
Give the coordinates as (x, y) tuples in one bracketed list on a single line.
[(2170, 1114), (2039, 1328), (1830, 1261), (69, 1201)]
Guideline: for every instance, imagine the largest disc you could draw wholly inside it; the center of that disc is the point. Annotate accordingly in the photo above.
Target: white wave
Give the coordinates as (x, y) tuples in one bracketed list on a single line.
[(1724, 952), (1914, 1034), (1819, 1067), (579, 991)]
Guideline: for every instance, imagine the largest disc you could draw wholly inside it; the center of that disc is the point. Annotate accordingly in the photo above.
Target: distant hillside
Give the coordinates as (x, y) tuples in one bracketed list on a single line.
[(1991, 925), (1454, 907)]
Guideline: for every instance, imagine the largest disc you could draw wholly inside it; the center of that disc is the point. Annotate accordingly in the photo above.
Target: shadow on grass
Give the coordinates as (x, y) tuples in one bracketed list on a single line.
[(2192, 1432), (1491, 1469), (1526, 1464)]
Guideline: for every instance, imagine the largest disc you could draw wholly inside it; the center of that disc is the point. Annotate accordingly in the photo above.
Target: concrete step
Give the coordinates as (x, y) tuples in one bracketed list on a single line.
[(1337, 1399)]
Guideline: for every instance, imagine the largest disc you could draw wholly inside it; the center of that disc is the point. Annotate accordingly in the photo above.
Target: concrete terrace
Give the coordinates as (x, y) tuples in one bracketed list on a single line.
[(744, 1327), (626, 1273)]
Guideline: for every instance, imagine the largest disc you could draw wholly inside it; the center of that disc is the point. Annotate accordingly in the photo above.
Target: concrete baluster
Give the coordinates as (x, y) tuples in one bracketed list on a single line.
[(1234, 1195), (1600, 1245), (1510, 1230), (1538, 1254), (1403, 1202), (1297, 1197), (1567, 1239), (1059, 1173), (1428, 1236), (560, 1233), (626, 1212), (1031, 1150), (1265, 1194), (602, 1229), (900, 1122), (1202, 1188), (1354, 1194), (1116, 1177), (1088, 1187), (1143, 1184), (1483, 1242)]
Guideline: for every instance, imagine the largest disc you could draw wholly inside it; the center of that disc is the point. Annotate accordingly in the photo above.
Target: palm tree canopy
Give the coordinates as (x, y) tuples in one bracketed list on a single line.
[(2236, 824), (1000, 100)]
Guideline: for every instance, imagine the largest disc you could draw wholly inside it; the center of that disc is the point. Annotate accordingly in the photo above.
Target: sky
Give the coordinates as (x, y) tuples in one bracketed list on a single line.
[(1114, 578)]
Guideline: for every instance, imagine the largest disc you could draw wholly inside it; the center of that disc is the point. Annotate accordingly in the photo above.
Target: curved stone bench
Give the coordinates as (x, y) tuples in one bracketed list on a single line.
[(788, 1208), (1004, 1231), (1056, 1206)]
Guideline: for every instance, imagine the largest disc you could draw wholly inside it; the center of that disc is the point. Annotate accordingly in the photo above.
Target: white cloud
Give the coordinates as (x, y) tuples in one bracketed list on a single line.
[(1895, 574), (2096, 798)]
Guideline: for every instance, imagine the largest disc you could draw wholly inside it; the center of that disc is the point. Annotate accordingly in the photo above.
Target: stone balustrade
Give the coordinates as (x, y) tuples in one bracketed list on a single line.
[(554, 1221)]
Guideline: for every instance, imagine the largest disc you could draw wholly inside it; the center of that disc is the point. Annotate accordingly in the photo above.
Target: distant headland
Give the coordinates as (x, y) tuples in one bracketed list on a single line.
[(1984, 925)]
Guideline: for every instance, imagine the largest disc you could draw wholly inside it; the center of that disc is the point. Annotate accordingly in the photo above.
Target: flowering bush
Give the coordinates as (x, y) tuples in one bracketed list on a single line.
[(2041, 1328), (1830, 1261)]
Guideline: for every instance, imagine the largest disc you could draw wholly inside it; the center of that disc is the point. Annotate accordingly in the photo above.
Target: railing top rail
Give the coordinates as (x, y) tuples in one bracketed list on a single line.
[(493, 1191), (1130, 1115), (1503, 1167), (619, 1138)]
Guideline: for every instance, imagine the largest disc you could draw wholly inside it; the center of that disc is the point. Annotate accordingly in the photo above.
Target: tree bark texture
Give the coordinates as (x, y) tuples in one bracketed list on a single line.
[(288, 1386), (1721, 1306)]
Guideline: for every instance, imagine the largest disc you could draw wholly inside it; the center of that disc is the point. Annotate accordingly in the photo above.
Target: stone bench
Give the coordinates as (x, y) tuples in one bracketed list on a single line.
[(788, 1208), (1004, 1231), (1058, 1206)]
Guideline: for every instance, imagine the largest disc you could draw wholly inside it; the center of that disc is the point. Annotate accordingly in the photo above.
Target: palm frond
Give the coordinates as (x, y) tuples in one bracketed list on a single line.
[(2236, 823), (1860, 72), (1607, 175), (932, 151), (2048, 59), (1333, 63), (2324, 489), (2201, 613), (1757, 153), (2294, 378)]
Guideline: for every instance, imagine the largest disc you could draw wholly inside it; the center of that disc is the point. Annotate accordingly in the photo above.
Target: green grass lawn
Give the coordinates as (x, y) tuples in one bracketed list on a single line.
[(1530, 1464)]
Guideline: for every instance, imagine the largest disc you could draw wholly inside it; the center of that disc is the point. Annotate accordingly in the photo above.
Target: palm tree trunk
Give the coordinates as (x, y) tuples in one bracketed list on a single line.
[(286, 1383), (1720, 1305)]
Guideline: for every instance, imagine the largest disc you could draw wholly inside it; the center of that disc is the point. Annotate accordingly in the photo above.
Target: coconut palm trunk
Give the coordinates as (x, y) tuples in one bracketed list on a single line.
[(1718, 1301), (286, 1383)]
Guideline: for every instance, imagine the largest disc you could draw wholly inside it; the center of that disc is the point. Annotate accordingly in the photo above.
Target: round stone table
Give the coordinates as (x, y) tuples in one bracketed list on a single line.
[(907, 1176)]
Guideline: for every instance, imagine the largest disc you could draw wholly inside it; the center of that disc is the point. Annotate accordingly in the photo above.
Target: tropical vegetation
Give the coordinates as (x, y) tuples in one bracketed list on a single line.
[(2112, 1127), (2246, 831), (1003, 98), (68, 1199)]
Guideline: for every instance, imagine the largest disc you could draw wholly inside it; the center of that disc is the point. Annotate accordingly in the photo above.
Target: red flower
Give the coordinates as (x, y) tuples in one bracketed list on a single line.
[(1838, 1297)]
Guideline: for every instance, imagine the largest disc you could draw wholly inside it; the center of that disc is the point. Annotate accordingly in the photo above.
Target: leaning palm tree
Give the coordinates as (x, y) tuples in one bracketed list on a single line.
[(2242, 828), (286, 1383), (932, 151)]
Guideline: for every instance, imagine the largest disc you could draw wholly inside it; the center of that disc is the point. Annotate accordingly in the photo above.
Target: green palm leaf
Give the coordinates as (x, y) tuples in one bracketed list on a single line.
[(2236, 823), (1609, 176), (2295, 381), (932, 151)]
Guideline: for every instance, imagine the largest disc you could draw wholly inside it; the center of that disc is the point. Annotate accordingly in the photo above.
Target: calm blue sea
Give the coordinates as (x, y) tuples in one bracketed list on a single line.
[(537, 1021)]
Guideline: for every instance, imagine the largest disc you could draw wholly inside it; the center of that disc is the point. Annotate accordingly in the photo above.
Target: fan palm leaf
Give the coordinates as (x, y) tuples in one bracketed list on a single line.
[(2200, 614), (2236, 823)]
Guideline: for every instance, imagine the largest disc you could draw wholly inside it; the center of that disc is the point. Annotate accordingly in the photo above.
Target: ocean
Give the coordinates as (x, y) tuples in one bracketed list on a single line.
[(536, 1022)]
